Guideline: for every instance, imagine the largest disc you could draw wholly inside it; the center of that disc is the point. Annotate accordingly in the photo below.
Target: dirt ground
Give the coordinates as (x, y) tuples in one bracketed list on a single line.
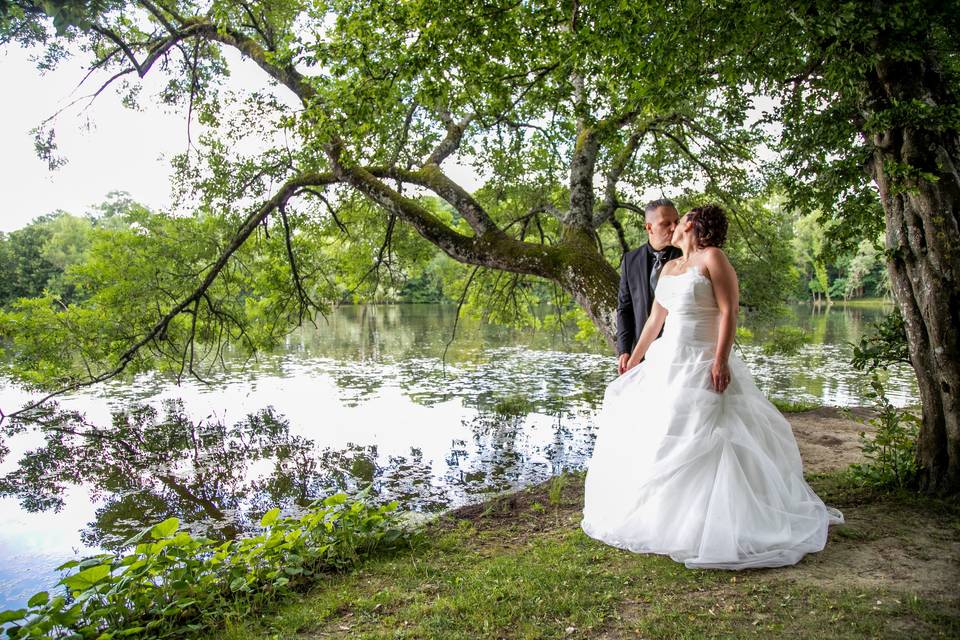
[(906, 549), (829, 439)]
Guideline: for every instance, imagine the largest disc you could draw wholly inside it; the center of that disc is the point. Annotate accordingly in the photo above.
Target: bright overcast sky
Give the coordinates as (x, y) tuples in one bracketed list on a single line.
[(107, 147)]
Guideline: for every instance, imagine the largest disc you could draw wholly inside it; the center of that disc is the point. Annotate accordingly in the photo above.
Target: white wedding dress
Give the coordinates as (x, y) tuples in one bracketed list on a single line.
[(714, 480)]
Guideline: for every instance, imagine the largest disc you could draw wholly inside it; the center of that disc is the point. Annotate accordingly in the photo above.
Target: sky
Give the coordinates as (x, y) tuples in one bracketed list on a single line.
[(107, 146)]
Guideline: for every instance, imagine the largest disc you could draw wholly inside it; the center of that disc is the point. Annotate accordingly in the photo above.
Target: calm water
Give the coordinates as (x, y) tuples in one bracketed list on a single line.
[(366, 398)]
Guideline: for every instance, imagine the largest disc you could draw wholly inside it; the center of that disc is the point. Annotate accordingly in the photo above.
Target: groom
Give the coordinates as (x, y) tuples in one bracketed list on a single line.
[(639, 274)]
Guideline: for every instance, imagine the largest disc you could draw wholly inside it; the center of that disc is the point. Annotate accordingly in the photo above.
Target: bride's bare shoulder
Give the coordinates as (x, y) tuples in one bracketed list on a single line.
[(715, 261), (714, 255), (670, 266)]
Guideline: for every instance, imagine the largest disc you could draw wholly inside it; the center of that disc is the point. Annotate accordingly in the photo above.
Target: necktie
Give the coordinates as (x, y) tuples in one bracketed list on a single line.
[(659, 257)]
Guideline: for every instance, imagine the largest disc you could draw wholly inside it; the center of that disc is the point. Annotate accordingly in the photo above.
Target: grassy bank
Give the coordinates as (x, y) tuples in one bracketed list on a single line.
[(872, 303), (518, 566), (790, 406)]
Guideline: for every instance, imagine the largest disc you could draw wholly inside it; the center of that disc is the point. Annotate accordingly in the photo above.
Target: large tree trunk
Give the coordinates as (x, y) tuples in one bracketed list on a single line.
[(923, 242), (590, 279)]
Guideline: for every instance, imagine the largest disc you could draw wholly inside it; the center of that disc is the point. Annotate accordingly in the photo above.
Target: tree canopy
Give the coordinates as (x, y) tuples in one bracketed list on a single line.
[(545, 101)]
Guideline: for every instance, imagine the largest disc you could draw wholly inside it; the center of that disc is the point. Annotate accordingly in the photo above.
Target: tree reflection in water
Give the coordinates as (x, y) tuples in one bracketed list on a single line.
[(218, 478)]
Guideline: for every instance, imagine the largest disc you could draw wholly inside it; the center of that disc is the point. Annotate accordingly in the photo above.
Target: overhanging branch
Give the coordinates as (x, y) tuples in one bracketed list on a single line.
[(158, 330), (492, 249)]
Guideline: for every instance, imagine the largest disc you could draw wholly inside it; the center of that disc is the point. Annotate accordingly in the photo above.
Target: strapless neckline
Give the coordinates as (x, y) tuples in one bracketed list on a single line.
[(694, 268)]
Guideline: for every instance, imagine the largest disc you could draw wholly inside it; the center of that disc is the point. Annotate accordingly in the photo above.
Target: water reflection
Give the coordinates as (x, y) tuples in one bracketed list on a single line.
[(365, 399), (151, 464)]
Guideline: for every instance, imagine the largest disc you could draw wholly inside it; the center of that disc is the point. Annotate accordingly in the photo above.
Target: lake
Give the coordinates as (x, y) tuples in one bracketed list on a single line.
[(366, 398)]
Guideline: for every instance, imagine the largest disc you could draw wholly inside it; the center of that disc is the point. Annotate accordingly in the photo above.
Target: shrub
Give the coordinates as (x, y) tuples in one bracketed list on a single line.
[(886, 344), (891, 447)]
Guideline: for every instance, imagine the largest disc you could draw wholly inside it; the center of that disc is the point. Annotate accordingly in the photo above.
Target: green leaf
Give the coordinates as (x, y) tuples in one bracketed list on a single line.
[(131, 631), (10, 616), (269, 517), (335, 499), (38, 599), (86, 578), (136, 538), (94, 561), (165, 529)]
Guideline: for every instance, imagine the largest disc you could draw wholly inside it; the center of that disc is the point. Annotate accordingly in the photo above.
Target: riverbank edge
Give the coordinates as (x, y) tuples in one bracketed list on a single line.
[(517, 565)]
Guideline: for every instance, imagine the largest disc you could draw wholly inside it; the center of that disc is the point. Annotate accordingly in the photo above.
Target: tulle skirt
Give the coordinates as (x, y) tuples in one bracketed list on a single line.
[(714, 480)]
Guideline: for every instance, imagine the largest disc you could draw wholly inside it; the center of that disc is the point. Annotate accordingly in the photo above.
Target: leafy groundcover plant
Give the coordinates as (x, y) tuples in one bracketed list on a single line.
[(890, 447), (175, 585)]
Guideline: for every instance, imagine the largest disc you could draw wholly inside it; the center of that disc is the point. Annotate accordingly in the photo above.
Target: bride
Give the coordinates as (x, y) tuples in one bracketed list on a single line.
[(691, 460)]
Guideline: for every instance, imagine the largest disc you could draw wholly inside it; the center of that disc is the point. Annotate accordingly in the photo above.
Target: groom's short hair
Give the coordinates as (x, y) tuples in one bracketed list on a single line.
[(653, 205)]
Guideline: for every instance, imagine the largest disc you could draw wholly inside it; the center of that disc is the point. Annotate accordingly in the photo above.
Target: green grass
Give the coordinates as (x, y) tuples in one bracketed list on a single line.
[(865, 302), (517, 570), (790, 406)]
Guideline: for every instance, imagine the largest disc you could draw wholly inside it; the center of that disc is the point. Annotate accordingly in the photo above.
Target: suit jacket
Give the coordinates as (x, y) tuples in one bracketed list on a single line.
[(635, 299)]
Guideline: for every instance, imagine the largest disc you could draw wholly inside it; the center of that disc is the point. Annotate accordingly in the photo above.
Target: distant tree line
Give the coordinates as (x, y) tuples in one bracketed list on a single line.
[(42, 257)]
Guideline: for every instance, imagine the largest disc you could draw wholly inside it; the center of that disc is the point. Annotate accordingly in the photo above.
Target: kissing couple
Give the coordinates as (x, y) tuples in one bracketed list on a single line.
[(691, 460)]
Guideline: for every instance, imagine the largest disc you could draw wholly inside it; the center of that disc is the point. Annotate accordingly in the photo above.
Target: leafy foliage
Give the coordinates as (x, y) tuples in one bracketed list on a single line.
[(153, 261), (885, 345), (541, 99), (571, 112), (821, 60), (890, 446), (175, 585), (27, 268), (833, 271)]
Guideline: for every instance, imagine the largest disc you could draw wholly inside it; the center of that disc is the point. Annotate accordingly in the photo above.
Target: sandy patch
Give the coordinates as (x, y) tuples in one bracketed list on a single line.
[(829, 439)]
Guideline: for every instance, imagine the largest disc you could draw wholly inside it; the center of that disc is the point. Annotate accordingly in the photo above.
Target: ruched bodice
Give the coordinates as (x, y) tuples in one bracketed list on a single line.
[(693, 312)]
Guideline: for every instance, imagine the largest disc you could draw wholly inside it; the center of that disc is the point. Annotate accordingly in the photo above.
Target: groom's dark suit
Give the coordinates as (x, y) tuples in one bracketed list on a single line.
[(636, 298)]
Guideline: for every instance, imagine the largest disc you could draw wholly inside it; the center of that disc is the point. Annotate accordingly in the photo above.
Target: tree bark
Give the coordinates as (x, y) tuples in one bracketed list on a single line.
[(916, 170), (589, 278)]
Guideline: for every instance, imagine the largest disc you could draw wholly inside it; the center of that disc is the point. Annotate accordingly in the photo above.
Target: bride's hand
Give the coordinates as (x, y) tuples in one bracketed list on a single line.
[(631, 363), (720, 375)]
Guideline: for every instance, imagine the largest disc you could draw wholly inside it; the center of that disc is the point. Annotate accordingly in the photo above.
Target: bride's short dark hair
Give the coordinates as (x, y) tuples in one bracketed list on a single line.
[(709, 225)]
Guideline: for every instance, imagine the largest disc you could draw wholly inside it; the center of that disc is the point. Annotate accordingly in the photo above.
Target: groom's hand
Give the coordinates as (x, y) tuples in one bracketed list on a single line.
[(622, 363)]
